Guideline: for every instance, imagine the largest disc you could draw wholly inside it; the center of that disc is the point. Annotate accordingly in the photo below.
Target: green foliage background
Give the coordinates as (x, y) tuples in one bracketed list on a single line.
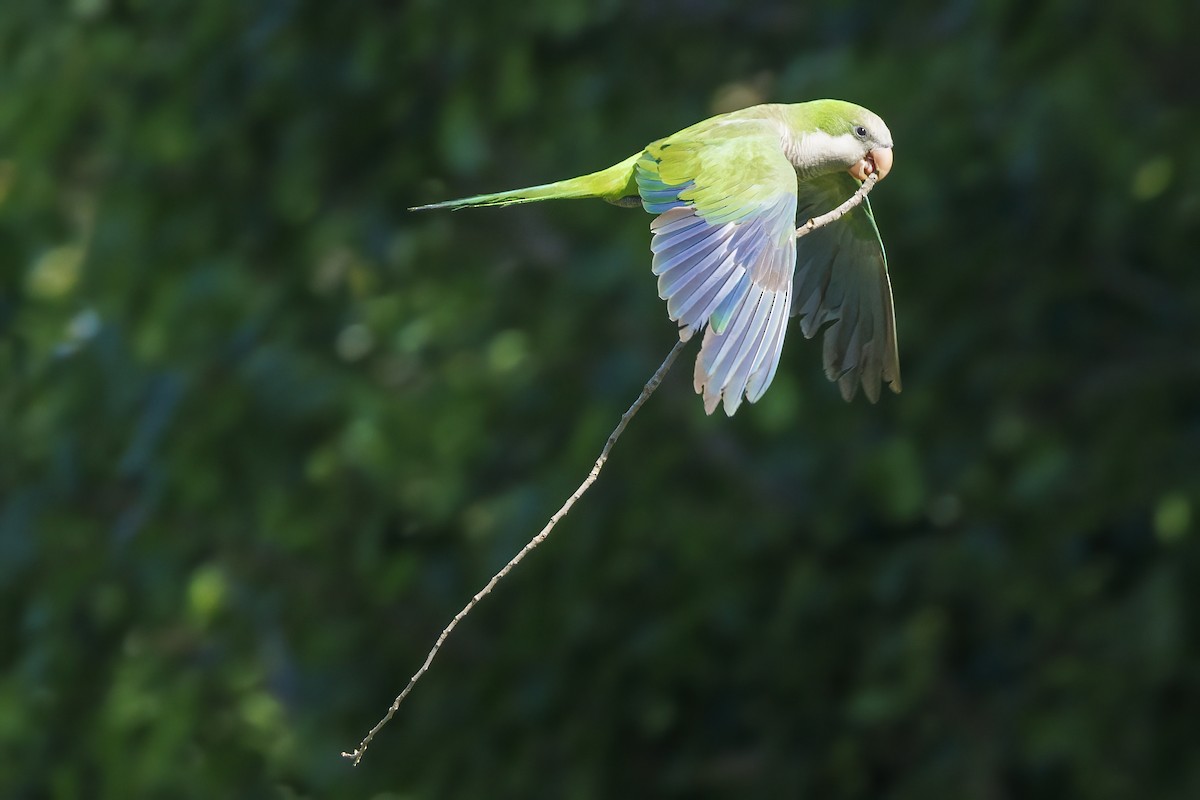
[(262, 431)]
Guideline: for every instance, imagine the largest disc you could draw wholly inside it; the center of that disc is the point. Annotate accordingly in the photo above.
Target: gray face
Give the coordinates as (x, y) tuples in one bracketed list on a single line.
[(869, 129), (870, 134)]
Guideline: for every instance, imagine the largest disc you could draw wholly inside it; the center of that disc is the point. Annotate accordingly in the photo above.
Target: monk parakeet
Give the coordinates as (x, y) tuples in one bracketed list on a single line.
[(726, 194)]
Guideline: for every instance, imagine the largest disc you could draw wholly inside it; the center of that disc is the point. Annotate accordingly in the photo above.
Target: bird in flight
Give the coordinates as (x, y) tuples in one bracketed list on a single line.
[(726, 194)]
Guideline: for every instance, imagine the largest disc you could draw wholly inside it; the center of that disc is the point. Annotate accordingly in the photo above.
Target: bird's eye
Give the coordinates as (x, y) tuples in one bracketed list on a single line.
[(860, 131)]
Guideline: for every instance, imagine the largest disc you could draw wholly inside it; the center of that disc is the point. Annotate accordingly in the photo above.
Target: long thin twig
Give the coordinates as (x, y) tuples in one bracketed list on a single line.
[(647, 390)]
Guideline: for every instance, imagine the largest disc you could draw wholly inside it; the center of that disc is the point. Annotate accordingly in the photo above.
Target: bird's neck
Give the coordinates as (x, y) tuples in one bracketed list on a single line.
[(815, 152)]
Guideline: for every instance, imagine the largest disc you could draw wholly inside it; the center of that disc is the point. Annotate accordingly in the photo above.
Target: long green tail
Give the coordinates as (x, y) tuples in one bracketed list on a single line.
[(613, 184)]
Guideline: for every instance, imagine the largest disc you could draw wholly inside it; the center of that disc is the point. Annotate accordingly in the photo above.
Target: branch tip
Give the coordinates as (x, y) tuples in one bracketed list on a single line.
[(647, 390)]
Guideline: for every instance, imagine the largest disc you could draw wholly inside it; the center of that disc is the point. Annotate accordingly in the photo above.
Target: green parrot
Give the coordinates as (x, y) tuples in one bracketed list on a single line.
[(726, 194)]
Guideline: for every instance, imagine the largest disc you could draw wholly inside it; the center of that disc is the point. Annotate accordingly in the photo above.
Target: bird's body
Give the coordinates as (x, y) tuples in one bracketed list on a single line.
[(726, 193)]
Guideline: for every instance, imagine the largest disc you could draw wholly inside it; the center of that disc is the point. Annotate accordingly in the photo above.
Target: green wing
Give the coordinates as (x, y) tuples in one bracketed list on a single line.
[(724, 249), (842, 281)]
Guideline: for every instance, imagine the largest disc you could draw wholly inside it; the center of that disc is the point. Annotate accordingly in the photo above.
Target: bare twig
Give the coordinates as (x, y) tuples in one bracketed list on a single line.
[(841, 211), (647, 390)]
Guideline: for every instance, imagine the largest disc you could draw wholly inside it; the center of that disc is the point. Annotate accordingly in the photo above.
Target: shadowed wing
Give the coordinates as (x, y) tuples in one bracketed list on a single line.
[(724, 250), (842, 281)]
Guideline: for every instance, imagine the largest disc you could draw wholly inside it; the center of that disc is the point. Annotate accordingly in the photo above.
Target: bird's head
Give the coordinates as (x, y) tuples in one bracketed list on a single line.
[(874, 144), (835, 135)]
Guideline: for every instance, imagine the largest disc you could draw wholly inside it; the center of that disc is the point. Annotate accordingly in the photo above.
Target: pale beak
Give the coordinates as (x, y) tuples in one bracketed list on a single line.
[(878, 161)]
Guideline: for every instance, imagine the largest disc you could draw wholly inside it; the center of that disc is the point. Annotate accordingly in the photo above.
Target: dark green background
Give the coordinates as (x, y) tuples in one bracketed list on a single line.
[(263, 431)]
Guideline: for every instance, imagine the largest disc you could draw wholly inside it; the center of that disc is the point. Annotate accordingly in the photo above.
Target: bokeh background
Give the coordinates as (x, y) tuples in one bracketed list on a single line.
[(263, 431)]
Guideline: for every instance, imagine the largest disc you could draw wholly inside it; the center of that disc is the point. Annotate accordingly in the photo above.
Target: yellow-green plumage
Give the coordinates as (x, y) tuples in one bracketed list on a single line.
[(726, 193), (610, 184)]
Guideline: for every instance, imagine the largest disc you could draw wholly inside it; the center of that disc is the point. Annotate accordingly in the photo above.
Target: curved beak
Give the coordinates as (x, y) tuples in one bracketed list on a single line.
[(878, 160)]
